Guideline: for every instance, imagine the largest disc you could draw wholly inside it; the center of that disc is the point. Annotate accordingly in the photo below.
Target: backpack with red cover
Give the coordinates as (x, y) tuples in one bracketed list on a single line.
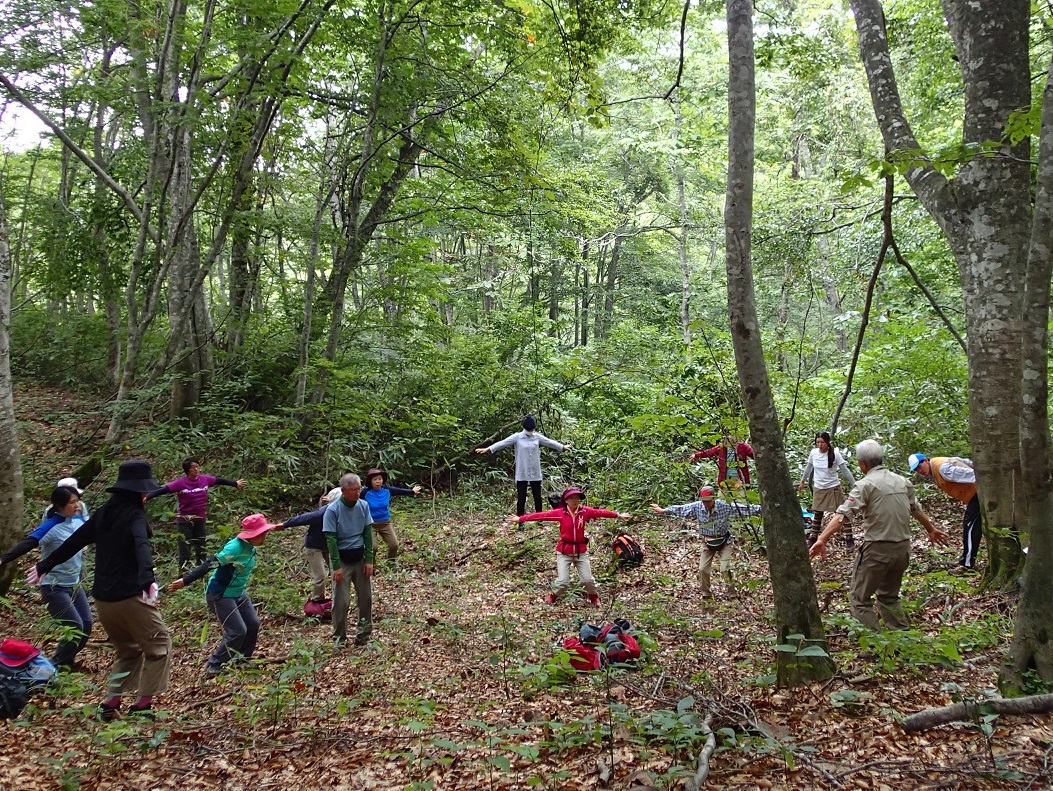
[(618, 645), (582, 655), (323, 610), (630, 553), (24, 663)]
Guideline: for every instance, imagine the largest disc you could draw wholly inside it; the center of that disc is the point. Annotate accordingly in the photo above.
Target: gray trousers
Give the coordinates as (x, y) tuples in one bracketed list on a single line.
[(354, 574), (241, 628)]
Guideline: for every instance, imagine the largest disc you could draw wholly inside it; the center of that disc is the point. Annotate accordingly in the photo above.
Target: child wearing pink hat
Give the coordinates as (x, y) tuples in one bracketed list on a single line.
[(225, 592), (572, 549)]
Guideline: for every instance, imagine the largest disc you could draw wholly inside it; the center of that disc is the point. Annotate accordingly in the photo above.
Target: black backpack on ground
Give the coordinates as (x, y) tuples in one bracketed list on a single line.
[(13, 694), (630, 553)]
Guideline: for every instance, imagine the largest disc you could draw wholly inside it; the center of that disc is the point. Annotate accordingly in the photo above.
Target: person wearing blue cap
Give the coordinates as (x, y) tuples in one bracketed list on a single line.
[(956, 477), (528, 444)]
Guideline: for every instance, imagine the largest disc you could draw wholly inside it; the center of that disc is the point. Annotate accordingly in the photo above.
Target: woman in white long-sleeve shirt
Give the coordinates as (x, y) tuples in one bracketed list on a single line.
[(528, 444), (824, 464)]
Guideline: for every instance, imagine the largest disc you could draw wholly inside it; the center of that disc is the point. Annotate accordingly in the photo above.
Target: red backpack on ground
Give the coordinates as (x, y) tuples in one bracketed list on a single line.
[(596, 646), (582, 655), (323, 610), (618, 645)]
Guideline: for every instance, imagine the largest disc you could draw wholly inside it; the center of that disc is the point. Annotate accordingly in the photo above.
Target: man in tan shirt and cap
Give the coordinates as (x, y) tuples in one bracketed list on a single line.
[(887, 503)]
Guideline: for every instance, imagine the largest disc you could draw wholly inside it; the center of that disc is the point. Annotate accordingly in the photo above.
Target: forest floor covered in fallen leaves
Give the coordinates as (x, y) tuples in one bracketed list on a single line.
[(463, 686)]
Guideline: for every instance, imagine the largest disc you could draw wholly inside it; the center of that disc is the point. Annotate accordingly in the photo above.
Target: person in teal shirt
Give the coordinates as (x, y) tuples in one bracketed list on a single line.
[(225, 592), (346, 525)]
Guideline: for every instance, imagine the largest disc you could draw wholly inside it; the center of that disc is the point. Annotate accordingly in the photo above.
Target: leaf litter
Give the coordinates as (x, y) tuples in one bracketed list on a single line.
[(461, 689)]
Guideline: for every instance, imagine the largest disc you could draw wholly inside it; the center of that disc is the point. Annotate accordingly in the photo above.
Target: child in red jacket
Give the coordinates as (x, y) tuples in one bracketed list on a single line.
[(573, 545)]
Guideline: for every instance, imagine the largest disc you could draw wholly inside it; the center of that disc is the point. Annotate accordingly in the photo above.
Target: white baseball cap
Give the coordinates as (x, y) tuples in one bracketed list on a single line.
[(71, 483)]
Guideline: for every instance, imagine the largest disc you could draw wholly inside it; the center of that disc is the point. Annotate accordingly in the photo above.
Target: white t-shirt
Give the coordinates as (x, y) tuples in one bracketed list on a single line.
[(826, 477)]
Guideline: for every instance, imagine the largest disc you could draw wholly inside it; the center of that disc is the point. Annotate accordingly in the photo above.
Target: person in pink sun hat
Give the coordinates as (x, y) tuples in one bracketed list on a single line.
[(572, 549), (225, 593)]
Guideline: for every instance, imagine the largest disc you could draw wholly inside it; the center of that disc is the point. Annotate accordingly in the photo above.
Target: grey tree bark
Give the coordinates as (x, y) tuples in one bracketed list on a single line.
[(985, 214), (793, 586), (12, 501)]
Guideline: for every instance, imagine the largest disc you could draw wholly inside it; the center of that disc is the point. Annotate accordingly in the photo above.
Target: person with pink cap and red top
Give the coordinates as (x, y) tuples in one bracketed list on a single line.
[(572, 549), (225, 593)]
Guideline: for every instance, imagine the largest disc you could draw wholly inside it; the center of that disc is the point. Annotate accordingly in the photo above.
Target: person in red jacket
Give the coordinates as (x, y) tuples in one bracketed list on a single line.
[(732, 470), (573, 546)]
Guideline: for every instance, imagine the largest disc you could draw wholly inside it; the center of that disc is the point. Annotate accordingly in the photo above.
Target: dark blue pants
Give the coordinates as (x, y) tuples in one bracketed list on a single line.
[(69, 606), (191, 531), (241, 627), (972, 533)]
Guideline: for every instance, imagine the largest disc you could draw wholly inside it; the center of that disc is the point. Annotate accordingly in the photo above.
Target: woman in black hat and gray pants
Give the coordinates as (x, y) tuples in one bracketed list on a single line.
[(125, 591)]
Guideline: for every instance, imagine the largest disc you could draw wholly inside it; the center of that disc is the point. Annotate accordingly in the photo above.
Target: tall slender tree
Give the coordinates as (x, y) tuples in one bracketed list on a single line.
[(11, 494), (793, 586)]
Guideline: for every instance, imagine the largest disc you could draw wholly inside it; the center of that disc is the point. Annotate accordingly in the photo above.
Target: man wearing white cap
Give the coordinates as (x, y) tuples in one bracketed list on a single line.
[(955, 476)]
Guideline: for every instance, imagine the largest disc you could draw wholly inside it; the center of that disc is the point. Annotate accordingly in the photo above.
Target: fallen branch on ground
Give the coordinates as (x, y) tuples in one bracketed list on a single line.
[(969, 711)]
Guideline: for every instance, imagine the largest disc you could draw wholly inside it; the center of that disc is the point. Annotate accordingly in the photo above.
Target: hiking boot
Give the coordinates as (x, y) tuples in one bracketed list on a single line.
[(550, 598), (211, 671), (594, 599), (706, 595), (108, 713), (145, 712), (362, 639)]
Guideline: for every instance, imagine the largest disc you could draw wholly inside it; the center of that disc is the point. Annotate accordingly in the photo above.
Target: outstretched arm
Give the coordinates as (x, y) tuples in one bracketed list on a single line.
[(159, 492), (194, 575), (806, 476), (847, 473)]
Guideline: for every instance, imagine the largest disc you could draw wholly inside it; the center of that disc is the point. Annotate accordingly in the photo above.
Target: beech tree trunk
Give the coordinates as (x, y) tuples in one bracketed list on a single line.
[(1003, 249), (1032, 644), (12, 501), (793, 586), (985, 214)]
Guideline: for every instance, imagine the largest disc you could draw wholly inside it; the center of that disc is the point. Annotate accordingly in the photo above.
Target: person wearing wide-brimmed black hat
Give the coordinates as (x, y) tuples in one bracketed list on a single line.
[(572, 549), (125, 590)]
